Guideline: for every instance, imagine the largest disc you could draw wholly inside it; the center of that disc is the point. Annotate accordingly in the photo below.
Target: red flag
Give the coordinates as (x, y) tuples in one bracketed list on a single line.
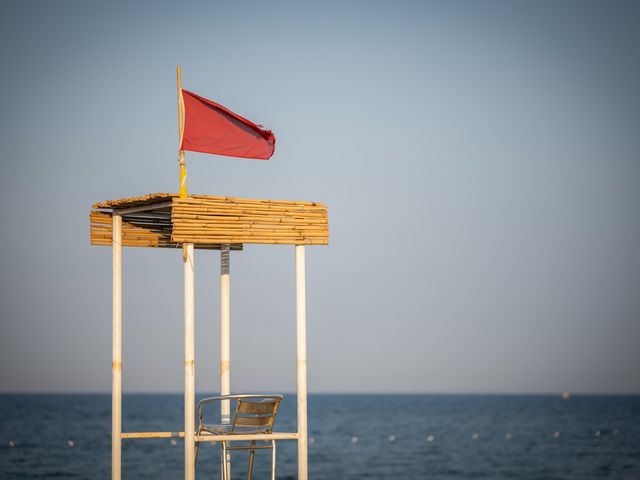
[(211, 128)]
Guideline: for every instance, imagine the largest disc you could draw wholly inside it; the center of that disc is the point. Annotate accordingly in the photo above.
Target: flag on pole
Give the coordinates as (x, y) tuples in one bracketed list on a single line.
[(212, 128)]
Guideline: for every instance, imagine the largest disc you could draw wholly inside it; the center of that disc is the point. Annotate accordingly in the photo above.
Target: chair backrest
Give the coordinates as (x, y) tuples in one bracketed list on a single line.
[(255, 415)]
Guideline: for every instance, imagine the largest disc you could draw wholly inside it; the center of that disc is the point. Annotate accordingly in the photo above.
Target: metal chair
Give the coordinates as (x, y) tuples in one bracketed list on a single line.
[(253, 414)]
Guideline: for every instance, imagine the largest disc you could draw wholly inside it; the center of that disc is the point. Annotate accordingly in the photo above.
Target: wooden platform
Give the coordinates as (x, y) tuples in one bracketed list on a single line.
[(163, 220)]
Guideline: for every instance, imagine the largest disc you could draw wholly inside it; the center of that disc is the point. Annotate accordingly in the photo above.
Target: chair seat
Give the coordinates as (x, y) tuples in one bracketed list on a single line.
[(216, 429), (226, 430)]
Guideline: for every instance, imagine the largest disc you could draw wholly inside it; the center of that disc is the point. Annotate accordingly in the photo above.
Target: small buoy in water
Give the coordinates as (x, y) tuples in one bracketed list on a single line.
[(70, 443), (598, 433), (312, 440), (354, 439), (556, 434), (508, 436), (392, 438), (475, 436), (430, 438), (12, 443), (174, 441)]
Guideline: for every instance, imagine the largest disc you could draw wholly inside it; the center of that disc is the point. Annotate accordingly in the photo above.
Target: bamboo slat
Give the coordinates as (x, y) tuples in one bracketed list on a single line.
[(189, 217), (233, 228), (244, 209), (218, 198)]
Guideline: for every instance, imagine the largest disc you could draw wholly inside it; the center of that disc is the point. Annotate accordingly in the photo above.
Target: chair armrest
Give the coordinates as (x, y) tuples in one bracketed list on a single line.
[(206, 401)]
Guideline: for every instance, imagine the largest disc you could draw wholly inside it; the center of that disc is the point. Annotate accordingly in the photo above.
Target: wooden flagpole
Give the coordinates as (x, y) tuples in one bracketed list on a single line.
[(183, 167), (189, 314)]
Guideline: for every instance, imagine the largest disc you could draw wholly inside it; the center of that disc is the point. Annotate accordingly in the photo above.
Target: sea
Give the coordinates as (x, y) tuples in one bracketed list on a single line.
[(531, 437)]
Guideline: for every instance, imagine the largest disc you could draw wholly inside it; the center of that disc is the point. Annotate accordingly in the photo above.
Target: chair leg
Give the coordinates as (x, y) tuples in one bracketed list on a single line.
[(273, 460), (221, 464), (195, 460), (223, 461), (252, 452)]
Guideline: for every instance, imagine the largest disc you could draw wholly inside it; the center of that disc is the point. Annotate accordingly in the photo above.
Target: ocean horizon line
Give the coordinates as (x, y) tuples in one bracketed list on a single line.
[(340, 393)]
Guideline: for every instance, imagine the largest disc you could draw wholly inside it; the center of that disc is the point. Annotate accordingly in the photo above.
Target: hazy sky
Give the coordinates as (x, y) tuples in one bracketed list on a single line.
[(479, 161)]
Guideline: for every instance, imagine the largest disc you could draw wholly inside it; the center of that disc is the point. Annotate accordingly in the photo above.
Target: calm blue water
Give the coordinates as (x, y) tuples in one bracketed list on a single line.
[(598, 437)]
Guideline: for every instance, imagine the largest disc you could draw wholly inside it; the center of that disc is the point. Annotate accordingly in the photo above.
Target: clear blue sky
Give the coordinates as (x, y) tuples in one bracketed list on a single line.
[(479, 161)]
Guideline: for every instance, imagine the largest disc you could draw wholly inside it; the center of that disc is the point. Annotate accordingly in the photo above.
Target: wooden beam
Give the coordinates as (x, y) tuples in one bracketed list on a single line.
[(244, 438), (213, 438), (130, 435)]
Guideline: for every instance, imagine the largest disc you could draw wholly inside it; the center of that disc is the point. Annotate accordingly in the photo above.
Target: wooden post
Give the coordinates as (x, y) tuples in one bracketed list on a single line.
[(301, 350), (183, 167), (225, 338), (189, 365), (116, 355), (225, 332)]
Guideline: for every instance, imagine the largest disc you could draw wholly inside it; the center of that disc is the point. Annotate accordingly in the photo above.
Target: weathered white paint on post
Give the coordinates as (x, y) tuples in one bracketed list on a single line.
[(189, 364), (301, 349), (116, 354), (225, 339), (225, 332)]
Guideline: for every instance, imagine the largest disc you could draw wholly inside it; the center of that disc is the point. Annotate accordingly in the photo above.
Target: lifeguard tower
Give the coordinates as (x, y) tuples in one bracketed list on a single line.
[(184, 223)]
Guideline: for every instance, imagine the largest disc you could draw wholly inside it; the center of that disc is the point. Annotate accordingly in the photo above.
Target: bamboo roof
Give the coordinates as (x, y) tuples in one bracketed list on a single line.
[(164, 220), (135, 201)]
